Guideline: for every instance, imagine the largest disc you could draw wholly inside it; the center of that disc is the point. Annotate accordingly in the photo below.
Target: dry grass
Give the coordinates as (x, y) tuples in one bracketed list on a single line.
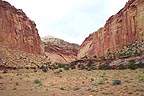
[(72, 83)]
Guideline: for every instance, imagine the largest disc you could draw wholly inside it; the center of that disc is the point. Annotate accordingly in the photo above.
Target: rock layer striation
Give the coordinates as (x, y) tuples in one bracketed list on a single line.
[(17, 31), (120, 31), (59, 50)]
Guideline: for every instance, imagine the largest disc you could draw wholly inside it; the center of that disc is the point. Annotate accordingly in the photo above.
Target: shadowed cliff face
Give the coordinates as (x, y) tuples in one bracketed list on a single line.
[(17, 31), (120, 30), (59, 50)]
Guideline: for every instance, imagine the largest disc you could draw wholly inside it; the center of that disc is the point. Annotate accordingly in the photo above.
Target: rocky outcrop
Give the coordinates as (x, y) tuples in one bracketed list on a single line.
[(17, 31), (119, 33), (18, 59), (59, 50), (20, 44)]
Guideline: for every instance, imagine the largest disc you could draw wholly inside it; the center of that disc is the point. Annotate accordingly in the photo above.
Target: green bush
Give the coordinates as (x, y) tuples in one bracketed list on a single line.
[(142, 78), (44, 68), (66, 67), (53, 66), (37, 81), (72, 65), (116, 82), (89, 63), (104, 67), (62, 88), (132, 65), (102, 81), (132, 61), (91, 68), (61, 65), (121, 67), (81, 67), (141, 65)]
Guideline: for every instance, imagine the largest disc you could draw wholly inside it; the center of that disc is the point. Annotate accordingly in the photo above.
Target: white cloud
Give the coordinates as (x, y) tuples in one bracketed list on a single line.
[(71, 20)]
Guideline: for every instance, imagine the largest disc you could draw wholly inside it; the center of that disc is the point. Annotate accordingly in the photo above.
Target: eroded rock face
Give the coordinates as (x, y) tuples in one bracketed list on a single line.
[(18, 59), (17, 31), (59, 50), (120, 30)]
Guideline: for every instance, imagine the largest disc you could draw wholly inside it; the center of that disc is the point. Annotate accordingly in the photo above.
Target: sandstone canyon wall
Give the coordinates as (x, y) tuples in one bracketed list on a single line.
[(120, 30), (59, 50), (20, 44), (17, 31)]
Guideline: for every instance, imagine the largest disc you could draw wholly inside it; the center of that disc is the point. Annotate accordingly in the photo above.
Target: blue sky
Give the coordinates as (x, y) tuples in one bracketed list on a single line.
[(71, 20)]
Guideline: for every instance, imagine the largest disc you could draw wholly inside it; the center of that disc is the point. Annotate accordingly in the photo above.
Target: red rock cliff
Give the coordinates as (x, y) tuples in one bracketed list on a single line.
[(120, 30), (17, 31), (59, 50)]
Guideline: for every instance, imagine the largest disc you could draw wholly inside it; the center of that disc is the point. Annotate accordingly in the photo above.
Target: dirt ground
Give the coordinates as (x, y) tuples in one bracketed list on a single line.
[(72, 83)]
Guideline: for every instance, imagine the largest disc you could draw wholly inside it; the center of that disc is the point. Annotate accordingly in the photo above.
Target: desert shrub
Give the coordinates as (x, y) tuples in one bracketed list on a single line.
[(91, 68), (132, 61), (5, 71), (44, 68), (141, 78), (89, 63), (102, 81), (72, 65), (35, 70), (17, 83), (14, 68), (77, 88), (14, 88), (52, 67), (104, 67), (116, 82), (121, 67), (66, 67), (32, 67), (138, 52), (37, 81), (0, 77), (61, 65), (132, 65), (47, 63), (92, 79), (27, 67), (94, 56), (81, 67), (41, 67), (141, 65), (62, 88)]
